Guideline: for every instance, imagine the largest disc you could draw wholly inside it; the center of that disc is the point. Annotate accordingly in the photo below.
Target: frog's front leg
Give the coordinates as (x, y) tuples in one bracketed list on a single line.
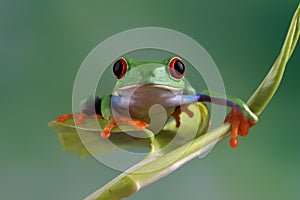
[(241, 117), (181, 109), (90, 109), (103, 107), (116, 118)]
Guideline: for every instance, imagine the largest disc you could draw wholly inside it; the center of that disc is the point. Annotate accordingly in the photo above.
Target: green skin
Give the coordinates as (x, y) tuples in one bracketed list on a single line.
[(148, 83)]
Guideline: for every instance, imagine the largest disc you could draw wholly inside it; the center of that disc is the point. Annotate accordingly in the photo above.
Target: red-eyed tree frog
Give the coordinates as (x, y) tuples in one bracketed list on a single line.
[(143, 84)]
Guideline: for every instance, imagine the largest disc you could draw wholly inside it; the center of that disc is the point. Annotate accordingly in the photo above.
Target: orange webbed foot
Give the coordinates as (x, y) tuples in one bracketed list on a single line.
[(122, 120), (240, 125)]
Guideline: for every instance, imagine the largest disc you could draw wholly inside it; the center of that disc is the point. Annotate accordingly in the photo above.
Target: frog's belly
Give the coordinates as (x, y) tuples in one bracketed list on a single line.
[(136, 101)]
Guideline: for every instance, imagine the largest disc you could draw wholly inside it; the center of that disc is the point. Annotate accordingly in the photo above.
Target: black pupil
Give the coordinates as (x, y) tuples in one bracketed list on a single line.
[(118, 68), (179, 67)]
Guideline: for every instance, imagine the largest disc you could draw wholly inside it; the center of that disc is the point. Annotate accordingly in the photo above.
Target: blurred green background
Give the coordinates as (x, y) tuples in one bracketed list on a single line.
[(42, 45)]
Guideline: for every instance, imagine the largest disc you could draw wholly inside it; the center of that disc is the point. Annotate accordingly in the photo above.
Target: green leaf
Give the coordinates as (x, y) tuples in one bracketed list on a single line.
[(89, 137), (151, 170), (90, 134), (261, 97)]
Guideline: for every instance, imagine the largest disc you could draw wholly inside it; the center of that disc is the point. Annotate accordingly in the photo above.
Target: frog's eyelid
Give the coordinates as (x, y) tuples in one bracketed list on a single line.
[(129, 62)]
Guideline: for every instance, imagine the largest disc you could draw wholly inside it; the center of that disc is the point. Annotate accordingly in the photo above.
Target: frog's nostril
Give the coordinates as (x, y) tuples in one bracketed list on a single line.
[(140, 74)]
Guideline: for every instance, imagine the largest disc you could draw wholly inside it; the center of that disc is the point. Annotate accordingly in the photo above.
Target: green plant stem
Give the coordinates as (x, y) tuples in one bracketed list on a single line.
[(261, 97), (143, 174)]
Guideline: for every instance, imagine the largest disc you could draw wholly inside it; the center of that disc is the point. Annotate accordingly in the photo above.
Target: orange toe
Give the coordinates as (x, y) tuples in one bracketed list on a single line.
[(64, 117), (139, 124), (106, 132), (244, 128), (176, 115), (234, 128), (79, 117)]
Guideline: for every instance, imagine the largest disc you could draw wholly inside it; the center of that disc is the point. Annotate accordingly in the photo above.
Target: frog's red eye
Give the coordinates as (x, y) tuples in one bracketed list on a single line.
[(120, 68), (176, 67)]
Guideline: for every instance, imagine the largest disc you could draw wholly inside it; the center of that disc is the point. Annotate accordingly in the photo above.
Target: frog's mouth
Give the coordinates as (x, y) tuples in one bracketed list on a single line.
[(147, 88)]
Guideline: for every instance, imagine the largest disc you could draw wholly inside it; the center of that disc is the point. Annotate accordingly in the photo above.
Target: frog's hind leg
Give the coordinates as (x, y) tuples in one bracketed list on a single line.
[(241, 117)]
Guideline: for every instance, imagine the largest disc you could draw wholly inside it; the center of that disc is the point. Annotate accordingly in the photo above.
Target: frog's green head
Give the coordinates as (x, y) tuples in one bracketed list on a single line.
[(168, 73)]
